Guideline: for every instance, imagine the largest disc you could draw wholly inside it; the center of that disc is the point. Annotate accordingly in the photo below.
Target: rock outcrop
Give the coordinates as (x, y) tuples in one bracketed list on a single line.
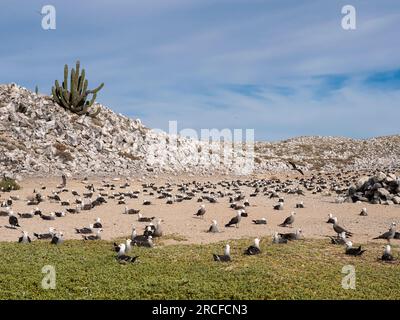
[(379, 189)]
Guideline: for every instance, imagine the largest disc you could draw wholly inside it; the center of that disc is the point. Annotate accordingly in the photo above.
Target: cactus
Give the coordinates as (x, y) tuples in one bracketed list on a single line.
[(76, 98)]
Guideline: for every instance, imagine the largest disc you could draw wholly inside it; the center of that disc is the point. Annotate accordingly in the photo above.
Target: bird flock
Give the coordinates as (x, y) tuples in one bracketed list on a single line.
[(227, 191)]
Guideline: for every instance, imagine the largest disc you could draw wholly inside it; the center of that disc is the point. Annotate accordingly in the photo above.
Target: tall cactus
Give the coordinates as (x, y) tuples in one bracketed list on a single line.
[(75, 99)]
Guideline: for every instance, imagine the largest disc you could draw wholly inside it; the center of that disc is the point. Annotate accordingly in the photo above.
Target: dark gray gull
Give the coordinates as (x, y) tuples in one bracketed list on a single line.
[(51, 216), (353, 251), (146, 242), (5, 212), (131, 211), (278, 206), (85, 230), (338, 229), (341, 239), (388, 235), (48, 235), (13, 220), (288, 221), (364, 212), (226, 257), (300, 205), (97, 224), (138, 239), (277, 238), (96, 236), (122, 257), (260, 221), (144, 219), (330, 218), (201, 212), (254, 249), (26, 215), (297, 235), (235, 220)]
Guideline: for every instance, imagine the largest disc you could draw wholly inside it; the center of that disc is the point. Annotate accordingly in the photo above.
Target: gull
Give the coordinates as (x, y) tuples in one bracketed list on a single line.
[(288, 221), (25, 238), (260, 221), (48, 235), (85, 230), (235, 220), (214, 227), (387, 254), (353, 251), (341, 239), (388, 235), (122, 257), (254, 249), (96, 236), (338, 229), (226, 257), (330, 218), (13, 220), (201, 211), (277, 238), (292, 235)]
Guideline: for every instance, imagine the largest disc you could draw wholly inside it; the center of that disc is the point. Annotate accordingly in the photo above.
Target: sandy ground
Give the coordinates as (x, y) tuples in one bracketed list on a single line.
[(179, 219)]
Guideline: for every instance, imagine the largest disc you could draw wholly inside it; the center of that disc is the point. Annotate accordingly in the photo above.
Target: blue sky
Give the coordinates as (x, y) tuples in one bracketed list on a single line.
[(284, 68)]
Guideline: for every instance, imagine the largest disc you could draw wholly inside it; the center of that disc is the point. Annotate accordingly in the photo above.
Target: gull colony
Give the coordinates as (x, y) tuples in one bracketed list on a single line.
[(204, 193)]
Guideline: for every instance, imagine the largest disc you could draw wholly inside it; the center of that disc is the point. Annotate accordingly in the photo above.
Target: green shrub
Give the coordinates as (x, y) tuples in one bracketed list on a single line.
[(8, 184)]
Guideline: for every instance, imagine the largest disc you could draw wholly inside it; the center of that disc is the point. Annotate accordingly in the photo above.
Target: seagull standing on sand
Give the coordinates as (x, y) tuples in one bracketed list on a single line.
[(338, 229), (224, 257), (201, 211), (13, 220), (388, 235), (214, 227), (288, 221), (330, 218), (235, 220)]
